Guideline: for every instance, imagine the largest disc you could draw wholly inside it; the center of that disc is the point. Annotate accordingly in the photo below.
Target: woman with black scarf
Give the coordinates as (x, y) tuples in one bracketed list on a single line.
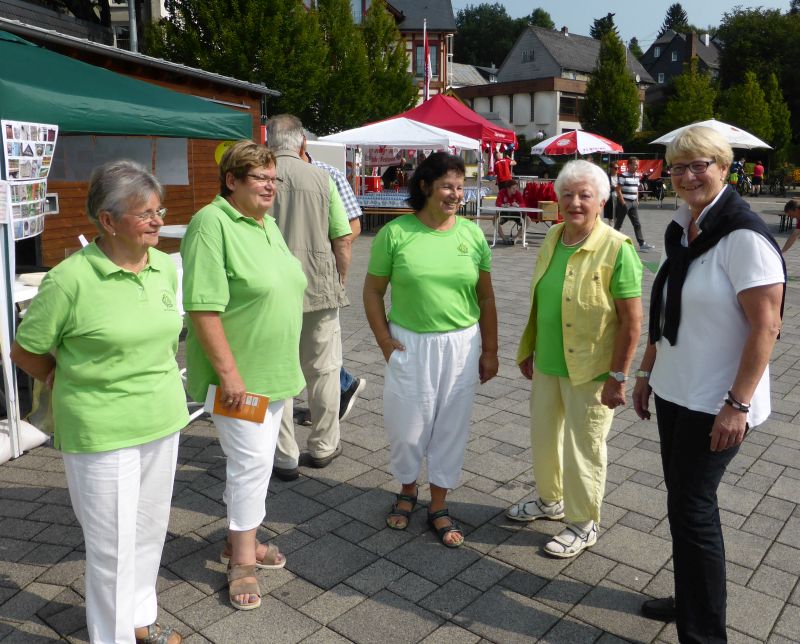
[(715, 313)]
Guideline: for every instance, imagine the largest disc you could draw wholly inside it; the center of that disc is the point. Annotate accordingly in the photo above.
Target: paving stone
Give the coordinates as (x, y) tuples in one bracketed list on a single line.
[(450, 598), (571, 631), (484, 573), (323, 523), (589, 568), (386, 540), (763, 526), (451, 634), (638, 521), (332, 603), (776, 508), (789, 622), (629, 577), (370, 507), (385, 617), (430, 559), (773, 582), (202, 569), (27, 602), (375, 577), (524, 551), (640, 498), (325, 636), (502, 615), (737, 499), (328, 561), (634, 548), (288, 509), (751, 612), (744, 548), (209, 611), (494, 465), (473, 507), (16, 575), (562, 593), (15, 549), (523, 583), (179, 596), (31, 632), (615, 609), (296, 593), (21, 528), (790, 535), (412, 587), (354, 531), (274, 620)]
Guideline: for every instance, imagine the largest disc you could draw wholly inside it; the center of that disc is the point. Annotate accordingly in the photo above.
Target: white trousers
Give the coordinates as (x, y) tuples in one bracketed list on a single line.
[(427, 402), (122, 500), (250, 450)]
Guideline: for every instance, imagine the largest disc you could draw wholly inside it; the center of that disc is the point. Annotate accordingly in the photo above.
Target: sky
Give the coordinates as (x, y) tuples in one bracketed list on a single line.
[(640, 18)]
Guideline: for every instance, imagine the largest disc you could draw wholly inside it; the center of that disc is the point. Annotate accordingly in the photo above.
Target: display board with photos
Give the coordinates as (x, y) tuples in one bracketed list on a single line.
[(28, 150)]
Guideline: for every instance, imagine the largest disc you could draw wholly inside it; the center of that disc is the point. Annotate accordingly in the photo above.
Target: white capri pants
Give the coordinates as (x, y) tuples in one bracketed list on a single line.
[(250, 450), (122, 500), (428, 393)]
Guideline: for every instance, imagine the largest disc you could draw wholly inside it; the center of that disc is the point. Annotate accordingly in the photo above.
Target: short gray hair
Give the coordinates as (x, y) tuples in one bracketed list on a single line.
[(285, 132), (117, 185), (580, 170)]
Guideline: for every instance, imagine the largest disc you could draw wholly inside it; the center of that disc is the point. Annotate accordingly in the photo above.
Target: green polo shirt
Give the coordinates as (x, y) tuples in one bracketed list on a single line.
[(115, 334), (246, 273), (433, 273)]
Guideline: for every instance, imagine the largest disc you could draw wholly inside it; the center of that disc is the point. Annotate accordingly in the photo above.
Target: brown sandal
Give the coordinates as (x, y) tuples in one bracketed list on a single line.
[(156, 634), (272, 560), (237, 585)]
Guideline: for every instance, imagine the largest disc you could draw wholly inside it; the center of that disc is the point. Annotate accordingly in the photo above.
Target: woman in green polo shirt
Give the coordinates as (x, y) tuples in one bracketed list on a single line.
[(584, 323), (439, 340), (103, 332), (243, 292)]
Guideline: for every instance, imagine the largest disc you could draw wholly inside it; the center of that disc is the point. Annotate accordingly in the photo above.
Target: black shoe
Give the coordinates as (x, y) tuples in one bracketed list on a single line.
[(302, 416), (349, 397), (319, 463), (661, 609), (286, 473)]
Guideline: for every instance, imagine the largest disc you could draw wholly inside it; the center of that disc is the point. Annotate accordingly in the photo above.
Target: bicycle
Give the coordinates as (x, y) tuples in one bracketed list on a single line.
[(745, 185), (777, 186)]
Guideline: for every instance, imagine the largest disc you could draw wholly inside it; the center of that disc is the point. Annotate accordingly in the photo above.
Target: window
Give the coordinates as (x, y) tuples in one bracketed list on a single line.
[(656, 52), (533, 96), (528, 55), (122, 37), (568, 105), (357, 10), (661, 77), (674, 56), (420, 61)]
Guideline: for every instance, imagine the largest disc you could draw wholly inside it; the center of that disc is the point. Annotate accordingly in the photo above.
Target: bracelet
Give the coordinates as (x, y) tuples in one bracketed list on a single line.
[(640, 373), (738, 406)]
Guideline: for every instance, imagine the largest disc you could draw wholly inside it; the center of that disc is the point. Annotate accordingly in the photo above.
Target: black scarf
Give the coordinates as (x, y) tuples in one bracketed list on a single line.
[(730, 213)]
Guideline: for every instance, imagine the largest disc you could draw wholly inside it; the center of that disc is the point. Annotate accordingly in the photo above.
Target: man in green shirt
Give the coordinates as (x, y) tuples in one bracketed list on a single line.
[(313, 221)]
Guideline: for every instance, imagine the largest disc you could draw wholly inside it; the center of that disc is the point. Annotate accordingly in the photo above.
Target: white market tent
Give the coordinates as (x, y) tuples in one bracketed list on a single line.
[(736, 137), (403, 133)]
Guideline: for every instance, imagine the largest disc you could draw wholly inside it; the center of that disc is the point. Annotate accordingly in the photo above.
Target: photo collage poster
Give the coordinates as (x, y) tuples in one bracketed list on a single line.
[(28, 150)]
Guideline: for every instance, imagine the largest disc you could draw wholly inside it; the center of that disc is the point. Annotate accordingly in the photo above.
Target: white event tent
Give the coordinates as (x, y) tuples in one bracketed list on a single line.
[(403, 133)]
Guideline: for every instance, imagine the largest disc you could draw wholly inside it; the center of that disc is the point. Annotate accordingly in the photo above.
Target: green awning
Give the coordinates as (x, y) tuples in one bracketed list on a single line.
[(41, 86)]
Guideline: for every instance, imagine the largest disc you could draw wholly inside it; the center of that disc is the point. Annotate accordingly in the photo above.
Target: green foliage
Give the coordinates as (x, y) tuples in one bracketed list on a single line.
[(392, 89), (278, 43), (540, 18), (692, 98), (794, 6), (762, 41), (779, 116), (484, 34), (676, 19), (635, 48), (601, 26), (344, 101), (746, 106), (612, 103)]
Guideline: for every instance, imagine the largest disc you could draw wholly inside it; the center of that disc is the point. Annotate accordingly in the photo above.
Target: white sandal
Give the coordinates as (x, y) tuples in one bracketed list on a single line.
[(572, 541), (536, 509)]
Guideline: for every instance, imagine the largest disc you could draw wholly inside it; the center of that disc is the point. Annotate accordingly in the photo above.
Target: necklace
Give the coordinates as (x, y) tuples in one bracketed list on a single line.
[(580, 241)]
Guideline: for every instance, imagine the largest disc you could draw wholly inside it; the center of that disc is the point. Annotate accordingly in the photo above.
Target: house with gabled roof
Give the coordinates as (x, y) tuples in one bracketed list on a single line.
[(541, 84)]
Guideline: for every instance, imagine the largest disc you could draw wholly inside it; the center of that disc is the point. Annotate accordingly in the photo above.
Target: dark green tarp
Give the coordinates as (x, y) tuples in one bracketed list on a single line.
[(42, 86)]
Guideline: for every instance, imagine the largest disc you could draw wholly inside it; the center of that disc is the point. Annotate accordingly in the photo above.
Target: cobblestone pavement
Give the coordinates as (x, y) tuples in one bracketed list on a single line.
[(350, 579)]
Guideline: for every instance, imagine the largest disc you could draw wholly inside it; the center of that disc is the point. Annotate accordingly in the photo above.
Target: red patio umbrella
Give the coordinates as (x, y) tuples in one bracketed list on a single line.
[(575, 142)]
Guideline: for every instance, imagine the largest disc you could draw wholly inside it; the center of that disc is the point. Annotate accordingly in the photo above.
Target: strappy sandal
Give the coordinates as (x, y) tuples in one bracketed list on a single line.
[(571, 541), (397, 512), (156, 634), (237, 586), (272, 559), (443, 531)]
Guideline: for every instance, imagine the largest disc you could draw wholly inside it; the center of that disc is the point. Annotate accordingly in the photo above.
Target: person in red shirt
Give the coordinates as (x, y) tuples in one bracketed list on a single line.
[(758, 178), (509, 196), (502, 170)]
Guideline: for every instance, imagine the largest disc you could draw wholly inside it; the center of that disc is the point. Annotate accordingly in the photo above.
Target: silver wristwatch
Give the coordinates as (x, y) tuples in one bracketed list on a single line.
[(619, 376)]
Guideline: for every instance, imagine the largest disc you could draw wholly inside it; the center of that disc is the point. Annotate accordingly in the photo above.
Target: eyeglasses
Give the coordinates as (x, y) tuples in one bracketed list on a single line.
[(264, 181), (148, 215), (697, 167)]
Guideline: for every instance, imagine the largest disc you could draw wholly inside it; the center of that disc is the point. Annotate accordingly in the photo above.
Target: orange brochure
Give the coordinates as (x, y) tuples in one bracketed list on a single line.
[(254, 408)]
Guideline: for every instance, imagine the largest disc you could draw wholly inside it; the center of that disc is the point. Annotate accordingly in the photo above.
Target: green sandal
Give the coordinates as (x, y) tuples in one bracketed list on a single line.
[(442, 532), (397, 512)]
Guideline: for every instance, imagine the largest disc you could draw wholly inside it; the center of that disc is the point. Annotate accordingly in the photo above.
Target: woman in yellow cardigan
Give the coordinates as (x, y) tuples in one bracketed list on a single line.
[(581, 335)]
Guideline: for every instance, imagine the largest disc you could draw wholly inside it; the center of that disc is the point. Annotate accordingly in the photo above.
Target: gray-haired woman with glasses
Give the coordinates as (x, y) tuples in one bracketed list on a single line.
[(103, 332)]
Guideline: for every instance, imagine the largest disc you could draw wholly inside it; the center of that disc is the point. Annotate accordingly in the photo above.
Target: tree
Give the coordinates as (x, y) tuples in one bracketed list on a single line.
[(392, 89), (779, 116), (692, 98), (794, 6), (484, 34), (676, 19), (612, 104), (344, 101), (540, 18), (634, 48), (601, 26), (278, 43), (746, 106)]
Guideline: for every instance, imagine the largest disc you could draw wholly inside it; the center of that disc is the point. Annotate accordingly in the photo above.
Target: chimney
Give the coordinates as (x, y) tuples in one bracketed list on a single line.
[(692, 42), (706, 39), (565, 31)]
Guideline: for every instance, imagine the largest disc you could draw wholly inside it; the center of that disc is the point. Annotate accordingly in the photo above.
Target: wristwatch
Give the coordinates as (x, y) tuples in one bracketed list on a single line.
[(619, 376)]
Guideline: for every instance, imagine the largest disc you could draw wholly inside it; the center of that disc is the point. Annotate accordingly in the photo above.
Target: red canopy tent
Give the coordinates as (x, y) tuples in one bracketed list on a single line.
[(451, 114)]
